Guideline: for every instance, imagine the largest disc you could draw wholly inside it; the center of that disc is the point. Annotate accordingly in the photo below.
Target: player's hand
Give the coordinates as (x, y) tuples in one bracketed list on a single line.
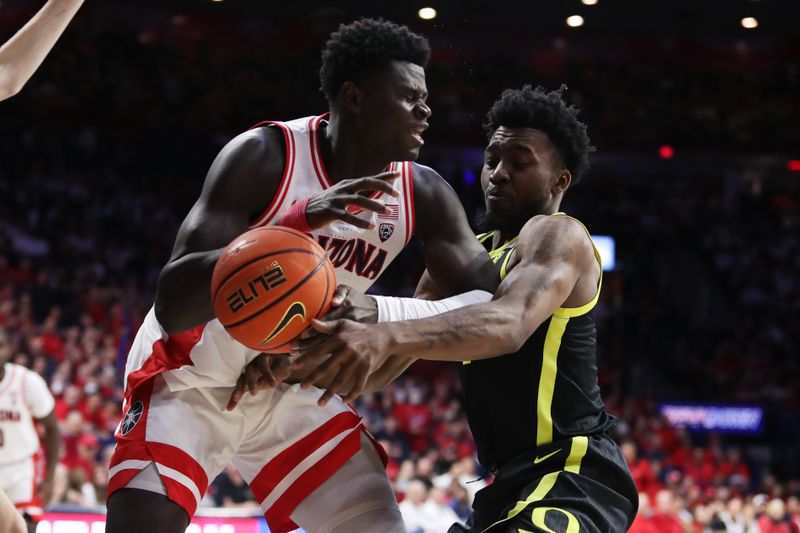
[(355, 351), (346, 303), (263, 372), (46, 490), (331, 204)]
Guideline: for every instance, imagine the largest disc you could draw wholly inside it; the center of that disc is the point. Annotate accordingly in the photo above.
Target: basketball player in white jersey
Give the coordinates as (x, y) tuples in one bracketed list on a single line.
[(308, 466), (21, 55), (25, 400)]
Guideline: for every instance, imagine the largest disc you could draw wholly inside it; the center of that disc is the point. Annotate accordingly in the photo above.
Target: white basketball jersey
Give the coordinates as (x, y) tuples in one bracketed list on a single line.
[(24, 396), (207, 356), (359, 255)]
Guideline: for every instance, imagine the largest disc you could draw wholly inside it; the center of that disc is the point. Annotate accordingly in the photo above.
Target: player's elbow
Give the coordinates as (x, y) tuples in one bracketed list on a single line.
[(167, 315), (9, 88), (166, 309), (512, 333), (515, 339)]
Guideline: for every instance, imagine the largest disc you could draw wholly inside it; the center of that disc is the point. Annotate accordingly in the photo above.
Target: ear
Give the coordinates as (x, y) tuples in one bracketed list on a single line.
[(351, 97), (563, 181)]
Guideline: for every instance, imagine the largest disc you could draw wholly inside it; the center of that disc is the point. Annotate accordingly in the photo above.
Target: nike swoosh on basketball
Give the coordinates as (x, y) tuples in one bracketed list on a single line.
[(546, 457), (295, 310)]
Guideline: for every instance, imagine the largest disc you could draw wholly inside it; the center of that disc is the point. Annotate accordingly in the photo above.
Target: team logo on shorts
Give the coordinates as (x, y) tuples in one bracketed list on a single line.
[(385, 231), (132, 417)]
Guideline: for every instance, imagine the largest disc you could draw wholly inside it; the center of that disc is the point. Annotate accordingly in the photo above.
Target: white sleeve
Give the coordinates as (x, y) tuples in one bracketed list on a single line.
[(392, 309), (37, 395)]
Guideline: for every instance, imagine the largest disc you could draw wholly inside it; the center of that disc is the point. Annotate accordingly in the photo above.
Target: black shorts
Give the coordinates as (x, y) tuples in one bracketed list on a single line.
[(579, 484)]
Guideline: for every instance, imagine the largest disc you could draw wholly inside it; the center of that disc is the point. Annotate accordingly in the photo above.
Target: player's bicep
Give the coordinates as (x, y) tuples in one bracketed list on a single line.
[(544, 277), (208, 226), (427, 288), (241, 181), (38, 396), (455, 260)]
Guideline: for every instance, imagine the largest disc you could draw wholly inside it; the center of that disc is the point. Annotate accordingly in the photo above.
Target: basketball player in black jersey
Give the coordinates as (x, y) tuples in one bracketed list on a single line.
[(529, 372)]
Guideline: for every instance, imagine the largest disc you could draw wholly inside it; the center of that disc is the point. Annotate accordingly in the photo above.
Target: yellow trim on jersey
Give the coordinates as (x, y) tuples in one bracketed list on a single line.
[(504, 266), (547, 379), (573, 464), (484, 236), (572, 312)]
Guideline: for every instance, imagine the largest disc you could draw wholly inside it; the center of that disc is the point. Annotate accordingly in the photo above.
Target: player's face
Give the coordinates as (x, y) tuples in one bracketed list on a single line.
[(395, 112), (522, 176)]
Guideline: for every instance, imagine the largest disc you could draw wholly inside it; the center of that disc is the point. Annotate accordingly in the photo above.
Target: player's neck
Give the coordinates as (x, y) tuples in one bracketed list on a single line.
[(501, 237), (343, 155)]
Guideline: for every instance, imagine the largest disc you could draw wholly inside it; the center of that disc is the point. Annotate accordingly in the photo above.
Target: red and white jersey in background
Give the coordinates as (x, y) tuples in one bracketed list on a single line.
[(207, 356), (24, 396)]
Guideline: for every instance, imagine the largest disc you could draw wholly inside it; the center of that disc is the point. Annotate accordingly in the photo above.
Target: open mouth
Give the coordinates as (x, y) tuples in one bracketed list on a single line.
[(416, 132)]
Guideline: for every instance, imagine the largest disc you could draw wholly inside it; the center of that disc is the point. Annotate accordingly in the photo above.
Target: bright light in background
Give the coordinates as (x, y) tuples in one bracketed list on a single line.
[(588, 2), (606, 247), (666, 152), (427, 13), (793, 165), (749, 23), (574, 21)]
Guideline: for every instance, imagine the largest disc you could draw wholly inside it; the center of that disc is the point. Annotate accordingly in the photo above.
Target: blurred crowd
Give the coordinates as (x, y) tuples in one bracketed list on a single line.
[(704, 304)]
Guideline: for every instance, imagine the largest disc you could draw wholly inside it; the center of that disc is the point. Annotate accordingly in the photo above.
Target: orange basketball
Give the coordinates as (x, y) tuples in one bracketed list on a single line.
[(268, 284)]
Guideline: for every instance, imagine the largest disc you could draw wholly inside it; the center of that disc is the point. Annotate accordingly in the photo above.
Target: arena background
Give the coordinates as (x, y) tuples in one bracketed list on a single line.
[(696, 178)]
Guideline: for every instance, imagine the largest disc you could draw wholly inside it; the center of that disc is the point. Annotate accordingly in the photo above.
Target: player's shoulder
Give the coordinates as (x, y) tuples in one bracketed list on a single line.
[(29, 377), (559, 230), (246, 164), (430, 185), (424, 174), (257, 143)]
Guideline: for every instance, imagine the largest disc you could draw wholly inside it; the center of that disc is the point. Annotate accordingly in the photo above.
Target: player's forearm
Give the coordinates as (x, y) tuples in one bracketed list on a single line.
[(388, 372), (25, 51), (183, 299), (474, 332), (52, 447)]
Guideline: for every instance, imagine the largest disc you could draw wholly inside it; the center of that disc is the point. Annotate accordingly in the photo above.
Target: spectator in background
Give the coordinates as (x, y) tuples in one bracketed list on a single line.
[(665, 519), (775, 519), (232, 490), (423, 513), (643, 521)]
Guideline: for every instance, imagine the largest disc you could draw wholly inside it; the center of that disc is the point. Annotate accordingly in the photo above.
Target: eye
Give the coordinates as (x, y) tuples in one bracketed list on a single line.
[(521, 163), (491, 162)]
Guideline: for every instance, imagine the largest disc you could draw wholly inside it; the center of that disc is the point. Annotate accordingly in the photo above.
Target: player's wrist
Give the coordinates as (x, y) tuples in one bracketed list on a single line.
[(296, 217)]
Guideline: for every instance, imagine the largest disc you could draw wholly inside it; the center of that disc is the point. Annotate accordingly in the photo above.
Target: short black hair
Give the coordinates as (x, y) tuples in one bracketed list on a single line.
[(548, 112), (365, 46)]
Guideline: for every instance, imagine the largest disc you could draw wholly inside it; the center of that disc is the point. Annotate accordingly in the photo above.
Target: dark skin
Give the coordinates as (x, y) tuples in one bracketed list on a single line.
[(371, 124), (51, 440), (554, 266)]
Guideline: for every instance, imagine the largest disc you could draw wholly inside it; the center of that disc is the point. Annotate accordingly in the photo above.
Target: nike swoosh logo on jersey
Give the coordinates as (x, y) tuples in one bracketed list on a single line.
[(546, 457), (295, 310)]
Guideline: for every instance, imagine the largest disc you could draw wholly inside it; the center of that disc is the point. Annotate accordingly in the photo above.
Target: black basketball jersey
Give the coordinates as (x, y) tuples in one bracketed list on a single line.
[(545, 392)]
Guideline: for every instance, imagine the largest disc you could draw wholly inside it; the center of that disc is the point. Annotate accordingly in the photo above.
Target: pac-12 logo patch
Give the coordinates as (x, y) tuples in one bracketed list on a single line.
[(385, 231), (132, 417)]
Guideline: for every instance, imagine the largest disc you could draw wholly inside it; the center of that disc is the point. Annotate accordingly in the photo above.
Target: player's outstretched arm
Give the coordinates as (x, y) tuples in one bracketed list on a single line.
[(11, 520), (456, 262), (52, 447), (25, 51), (241, 181), (554, 253)]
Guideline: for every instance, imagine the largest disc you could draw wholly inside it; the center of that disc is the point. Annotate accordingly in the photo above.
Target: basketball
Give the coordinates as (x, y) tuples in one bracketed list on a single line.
[(268, 284)]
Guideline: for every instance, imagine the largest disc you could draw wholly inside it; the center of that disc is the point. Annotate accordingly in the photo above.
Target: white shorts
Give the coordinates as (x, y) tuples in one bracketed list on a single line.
[(282, 442), (18, 480)]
